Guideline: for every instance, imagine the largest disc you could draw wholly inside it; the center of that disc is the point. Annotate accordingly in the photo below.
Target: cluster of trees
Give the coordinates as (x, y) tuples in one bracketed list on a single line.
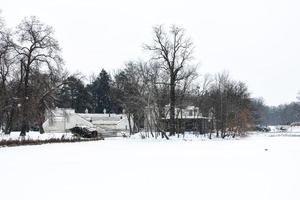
[(284, 114), (34, 81), (228, 102), (168, 77), (277, 115), (31, 71), (93, 97)]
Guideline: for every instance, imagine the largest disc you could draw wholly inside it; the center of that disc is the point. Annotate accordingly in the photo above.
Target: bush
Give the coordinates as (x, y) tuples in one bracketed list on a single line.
[(20, 142), (85, 132)]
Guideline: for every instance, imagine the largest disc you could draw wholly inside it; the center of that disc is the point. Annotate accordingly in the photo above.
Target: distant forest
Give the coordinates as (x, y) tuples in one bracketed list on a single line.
[(283, 114)]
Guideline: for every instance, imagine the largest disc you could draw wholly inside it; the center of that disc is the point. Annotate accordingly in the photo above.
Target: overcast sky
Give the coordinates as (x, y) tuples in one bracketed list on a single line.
[(257, 41)]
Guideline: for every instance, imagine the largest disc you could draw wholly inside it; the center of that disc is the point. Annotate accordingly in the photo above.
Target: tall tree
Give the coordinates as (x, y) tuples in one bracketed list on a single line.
[(100, 90), (129, 86), (7, 62), (174, 52), (38, 50), (44, 97)]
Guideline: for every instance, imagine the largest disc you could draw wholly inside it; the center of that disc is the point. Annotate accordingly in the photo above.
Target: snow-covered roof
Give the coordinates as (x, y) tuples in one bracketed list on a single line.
[(61, 112), (101, 117), (191, 108), (188, 117), (95, 118), (107, 122), (189, 112), (295, 124)]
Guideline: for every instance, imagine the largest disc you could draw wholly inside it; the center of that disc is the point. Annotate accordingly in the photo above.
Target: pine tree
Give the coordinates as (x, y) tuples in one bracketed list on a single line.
[(74, 95), (100, 92)]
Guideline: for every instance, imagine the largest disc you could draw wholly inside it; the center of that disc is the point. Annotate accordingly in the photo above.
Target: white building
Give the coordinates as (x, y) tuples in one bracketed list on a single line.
[(295, 124), (189, 112), (61, 120)]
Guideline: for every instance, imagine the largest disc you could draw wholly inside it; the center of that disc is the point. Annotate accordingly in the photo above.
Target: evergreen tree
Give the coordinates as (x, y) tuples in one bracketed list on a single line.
[(100, 92), (74, 95)]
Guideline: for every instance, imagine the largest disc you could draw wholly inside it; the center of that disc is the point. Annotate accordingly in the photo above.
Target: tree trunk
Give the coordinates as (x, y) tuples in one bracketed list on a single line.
[(129, 123), (41, 129), (149, 125), (9, 122), (163, 134), (24, 126), (172, 105)]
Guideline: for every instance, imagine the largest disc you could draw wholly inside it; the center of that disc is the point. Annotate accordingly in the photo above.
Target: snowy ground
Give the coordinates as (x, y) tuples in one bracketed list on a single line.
[(252, 168)]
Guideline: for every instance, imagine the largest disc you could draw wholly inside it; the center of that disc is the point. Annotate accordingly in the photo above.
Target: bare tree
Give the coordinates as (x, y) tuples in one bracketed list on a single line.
[(174, 52), (128, 91), (37, 50), (44, 93), (6, 70), (155, 94), (230, 103)]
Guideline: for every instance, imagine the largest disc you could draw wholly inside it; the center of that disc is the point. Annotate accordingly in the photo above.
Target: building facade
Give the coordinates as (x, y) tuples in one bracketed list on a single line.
[(188, 119), (62, 119)]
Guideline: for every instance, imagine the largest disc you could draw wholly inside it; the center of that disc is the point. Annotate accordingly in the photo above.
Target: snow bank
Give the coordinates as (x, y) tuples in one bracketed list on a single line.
[(34, 135)]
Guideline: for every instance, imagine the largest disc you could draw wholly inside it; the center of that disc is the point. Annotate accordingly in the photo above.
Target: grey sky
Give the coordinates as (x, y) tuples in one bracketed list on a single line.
[(257, 41)]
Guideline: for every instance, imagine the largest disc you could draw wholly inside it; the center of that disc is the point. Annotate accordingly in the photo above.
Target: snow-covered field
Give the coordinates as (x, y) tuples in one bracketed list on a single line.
[(252, 168)]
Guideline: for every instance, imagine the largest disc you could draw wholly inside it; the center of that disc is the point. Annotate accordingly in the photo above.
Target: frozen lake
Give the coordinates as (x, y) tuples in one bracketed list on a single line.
[(256, 167)]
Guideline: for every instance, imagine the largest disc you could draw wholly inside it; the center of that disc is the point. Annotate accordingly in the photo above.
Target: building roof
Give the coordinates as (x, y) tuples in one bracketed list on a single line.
[(189, 112), (94, 118), (295, 124), (188, 117), (97, 118)]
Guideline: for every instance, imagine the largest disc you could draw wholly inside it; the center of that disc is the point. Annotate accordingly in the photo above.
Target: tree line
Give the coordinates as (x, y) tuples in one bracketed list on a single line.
[(284, 114), (34, 80)]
